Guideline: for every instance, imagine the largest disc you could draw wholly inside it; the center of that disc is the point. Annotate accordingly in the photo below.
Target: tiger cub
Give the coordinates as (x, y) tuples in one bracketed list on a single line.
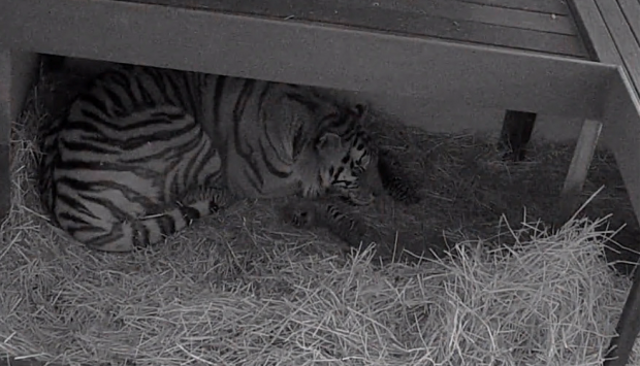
[(384, 176), (145, 151)]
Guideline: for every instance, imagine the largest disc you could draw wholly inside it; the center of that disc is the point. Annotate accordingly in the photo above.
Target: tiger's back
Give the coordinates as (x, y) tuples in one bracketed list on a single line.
[(145, 151), (115, 191), (278, 139)]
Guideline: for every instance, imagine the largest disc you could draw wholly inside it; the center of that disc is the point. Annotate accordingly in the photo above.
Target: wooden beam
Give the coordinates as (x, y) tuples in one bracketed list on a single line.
[(622, 135), (17, 70), (517, 128), (622, 31), (334, 11), (577, 174), (595, 31), (627, 329), (6, 118), (544, 6), (304, 53)]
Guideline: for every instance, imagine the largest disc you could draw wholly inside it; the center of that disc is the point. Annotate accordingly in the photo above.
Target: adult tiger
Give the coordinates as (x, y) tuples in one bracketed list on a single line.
[(144, 151)]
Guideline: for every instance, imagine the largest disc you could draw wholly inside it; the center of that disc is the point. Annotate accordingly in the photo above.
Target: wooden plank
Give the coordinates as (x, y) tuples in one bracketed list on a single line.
[(622, 133), (517, 128), (481, 13), (444, 19), (631, 10), (627, 329), (310, 54), (579, 167), (558, 7), (17, 70), (6, 119), (597, 37), (627, 44)]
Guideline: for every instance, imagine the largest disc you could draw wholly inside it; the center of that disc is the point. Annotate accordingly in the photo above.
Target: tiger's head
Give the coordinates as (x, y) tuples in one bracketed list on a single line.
[(343, 154)]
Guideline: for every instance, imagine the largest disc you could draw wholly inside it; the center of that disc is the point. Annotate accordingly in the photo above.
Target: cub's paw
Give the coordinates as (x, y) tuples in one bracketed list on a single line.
[(301, 215), (334, 217), (360, 197), (341, 222), (215, 198)]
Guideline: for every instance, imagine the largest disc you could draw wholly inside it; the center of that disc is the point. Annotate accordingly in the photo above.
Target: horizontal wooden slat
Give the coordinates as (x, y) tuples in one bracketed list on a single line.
[(481, 13), (557, 7), (446, 19), (544, 6), (334, 11), (304, 54)]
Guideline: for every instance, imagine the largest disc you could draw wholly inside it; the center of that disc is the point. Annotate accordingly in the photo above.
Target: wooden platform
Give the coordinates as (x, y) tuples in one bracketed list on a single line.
[(450, 51), (540, 25)]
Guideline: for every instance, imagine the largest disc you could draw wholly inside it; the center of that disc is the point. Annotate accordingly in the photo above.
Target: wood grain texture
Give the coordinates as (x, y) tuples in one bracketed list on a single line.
[(579, 167), (7, 114), (543, 6), (596, 35), (303, 53), (622, 134), (623, 30), (463, 21)]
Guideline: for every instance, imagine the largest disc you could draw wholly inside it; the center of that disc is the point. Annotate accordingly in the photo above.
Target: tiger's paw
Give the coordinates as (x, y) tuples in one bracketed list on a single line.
[(215, 198), (300, 215), (359, 197)]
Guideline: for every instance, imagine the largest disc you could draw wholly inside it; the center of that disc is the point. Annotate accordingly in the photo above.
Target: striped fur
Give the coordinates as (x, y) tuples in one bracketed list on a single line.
[(330, 215), (384, 176), (145, 151)]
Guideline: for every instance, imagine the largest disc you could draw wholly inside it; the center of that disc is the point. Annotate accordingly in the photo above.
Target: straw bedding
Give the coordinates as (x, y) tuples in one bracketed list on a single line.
[(494, 285)]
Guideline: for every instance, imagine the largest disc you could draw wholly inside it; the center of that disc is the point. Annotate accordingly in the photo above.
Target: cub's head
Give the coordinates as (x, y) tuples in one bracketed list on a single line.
[(342, 154)]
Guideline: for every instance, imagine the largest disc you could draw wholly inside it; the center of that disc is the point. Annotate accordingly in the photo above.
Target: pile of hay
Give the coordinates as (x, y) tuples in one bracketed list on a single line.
[(244, 289)]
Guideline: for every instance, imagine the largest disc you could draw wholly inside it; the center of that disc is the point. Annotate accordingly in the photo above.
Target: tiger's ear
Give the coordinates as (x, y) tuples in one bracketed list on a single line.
[(329, 141)]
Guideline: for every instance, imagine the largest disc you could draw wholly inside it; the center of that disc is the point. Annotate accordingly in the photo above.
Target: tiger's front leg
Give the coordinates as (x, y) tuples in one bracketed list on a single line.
[(386, 175), (328, 214), (203, 200)]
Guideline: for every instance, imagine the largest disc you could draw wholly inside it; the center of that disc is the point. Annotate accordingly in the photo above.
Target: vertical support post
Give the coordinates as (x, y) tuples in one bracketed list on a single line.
[(627, 329), (577, 174), (517, 128), (17, 70), (6, 116)]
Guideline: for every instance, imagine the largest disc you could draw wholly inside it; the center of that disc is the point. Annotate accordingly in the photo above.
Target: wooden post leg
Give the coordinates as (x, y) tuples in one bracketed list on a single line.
[(6, 116), (627, 329), (516, 132), (17, 70), (579, 168)]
